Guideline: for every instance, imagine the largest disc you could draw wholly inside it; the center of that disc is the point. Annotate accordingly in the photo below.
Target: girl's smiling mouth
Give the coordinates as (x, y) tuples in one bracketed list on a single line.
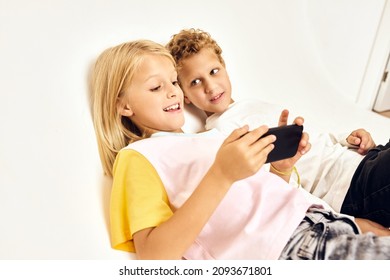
[(174, 107)]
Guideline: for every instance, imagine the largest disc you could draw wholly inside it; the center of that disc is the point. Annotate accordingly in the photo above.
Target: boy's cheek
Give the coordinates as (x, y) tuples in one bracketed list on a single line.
[(186, 100)]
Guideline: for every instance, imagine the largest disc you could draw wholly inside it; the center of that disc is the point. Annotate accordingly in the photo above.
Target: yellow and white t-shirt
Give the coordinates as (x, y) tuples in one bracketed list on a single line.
[(154, 177)]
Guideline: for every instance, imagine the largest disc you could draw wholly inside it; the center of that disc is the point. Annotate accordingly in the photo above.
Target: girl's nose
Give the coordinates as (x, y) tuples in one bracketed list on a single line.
[(173, 91), (171, 94)]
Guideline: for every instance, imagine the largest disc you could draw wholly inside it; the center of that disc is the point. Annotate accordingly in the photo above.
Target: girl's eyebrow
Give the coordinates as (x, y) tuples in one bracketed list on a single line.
[(150, 77), (157, 75)]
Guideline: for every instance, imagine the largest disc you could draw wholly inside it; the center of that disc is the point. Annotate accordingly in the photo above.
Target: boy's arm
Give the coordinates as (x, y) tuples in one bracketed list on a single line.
[(359, 139)]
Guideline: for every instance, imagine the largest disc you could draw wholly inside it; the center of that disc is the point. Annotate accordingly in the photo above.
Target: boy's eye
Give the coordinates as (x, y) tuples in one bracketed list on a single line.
[(195, 82), (214, 71), (175, 83)]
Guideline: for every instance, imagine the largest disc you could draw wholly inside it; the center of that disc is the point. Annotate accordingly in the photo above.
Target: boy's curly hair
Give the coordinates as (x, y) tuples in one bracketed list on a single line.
[(191, 41)]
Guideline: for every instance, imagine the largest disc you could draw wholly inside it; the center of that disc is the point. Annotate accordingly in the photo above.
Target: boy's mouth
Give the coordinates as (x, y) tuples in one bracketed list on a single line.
[(215, 98), (173, 107)]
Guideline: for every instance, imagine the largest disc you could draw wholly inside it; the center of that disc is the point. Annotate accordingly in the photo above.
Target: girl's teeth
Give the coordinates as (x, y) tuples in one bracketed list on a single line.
[(173, 107)]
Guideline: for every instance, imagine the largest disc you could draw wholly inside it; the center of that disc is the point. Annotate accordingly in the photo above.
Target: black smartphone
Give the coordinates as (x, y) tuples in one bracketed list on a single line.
[(287, 141)]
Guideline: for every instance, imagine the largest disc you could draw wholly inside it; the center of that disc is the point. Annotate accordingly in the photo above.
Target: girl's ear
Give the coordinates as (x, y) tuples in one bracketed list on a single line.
[(124, 108), (186, 100)]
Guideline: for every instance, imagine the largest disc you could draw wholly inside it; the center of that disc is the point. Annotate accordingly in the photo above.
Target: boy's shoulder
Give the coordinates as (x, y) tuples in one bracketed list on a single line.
[(254, 101), (254, 105), (252, 112)]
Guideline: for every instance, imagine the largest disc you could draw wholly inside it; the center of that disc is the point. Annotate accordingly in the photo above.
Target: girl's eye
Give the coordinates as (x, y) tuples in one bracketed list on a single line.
[(195, 82), (175, 83), (214, 71)]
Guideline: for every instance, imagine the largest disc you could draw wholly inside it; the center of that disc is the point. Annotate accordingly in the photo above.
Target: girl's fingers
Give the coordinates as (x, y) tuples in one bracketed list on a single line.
[(237, 134), (255, 137)]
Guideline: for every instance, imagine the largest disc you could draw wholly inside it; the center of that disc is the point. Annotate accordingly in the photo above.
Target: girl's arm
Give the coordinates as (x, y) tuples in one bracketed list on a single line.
[(172, 238)]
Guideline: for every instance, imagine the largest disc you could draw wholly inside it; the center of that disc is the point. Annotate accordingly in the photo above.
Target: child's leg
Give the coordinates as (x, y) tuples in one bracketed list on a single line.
[(370, 226), (323, 235), (369, 194)]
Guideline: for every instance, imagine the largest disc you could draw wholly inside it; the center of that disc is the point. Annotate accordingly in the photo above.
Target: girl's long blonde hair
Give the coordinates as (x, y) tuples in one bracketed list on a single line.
[(112, 74)]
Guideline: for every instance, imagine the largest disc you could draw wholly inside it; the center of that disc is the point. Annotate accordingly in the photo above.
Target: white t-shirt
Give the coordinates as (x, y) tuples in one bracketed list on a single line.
[(326, 170)]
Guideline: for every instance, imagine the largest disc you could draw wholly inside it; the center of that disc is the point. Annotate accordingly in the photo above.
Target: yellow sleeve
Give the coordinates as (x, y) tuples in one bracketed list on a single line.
[(138, 199)]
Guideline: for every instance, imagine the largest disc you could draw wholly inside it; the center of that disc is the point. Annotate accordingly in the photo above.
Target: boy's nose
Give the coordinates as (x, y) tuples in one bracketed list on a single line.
[(209, 87)]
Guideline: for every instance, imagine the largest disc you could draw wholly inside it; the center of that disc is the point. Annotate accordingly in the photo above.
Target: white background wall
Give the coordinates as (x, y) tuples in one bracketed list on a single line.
[(53, 197)]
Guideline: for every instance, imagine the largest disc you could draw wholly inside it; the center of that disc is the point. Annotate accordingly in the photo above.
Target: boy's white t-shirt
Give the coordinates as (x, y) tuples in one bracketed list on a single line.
[(326, 170)]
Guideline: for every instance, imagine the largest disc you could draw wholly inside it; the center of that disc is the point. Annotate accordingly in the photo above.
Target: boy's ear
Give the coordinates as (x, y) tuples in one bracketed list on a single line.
[(124, 108), (186, 100)]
